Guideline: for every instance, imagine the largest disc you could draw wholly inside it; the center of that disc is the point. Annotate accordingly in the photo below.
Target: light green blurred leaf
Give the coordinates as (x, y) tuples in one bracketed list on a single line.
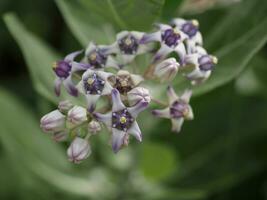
[(84, 23), (157, 161), (126, 14), (39, 58)]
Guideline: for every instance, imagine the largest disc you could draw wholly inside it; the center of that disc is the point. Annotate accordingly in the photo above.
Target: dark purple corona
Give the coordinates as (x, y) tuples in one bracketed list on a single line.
[(97, 59), (128, 44), (62, 69), (171, 37), (178, 109), (190, 29), (93, 84), (206, 63), (122, 120)]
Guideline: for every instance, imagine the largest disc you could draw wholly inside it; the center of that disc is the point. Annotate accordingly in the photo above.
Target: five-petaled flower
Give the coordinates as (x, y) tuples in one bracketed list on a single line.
[(64, 70), (122, 120), (178, 109)]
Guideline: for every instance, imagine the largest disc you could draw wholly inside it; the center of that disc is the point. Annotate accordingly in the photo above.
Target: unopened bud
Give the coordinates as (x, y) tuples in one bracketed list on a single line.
[(94, 127), (166, 70), (53, 122), (138, 94), (76, 116), (65, 106), (78, 150)]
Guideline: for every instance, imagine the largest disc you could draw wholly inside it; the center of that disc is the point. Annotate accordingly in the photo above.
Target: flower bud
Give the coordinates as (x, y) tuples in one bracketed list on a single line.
[(53, 122), (166, 70), (78, 150), (65, 106), (138, 94), (94, 127), (60, 136), (76, 116)]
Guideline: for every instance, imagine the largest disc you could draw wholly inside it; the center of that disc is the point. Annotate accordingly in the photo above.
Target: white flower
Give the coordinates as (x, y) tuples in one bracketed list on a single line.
[(65, 106), (78, 150), (94, 127), (166, 70), (53, 122)]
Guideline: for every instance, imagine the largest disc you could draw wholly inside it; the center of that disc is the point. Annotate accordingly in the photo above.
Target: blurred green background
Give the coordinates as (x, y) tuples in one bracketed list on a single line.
[(220, 155)]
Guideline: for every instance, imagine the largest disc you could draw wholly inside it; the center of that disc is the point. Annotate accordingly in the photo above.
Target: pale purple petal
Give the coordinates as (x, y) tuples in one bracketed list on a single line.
[(177, 124), (139, 107), (91, 102), (162, 53), (164, 113), (151, 37), (57, 86), (116, 101), (117, 139), (186, 96), (135, 131), (105, 118), (70, 87), (171, 95), (70, 57)]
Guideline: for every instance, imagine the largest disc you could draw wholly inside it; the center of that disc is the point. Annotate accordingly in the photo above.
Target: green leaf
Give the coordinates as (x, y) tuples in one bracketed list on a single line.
[(157, 161), (39, 58), (95, 20), (84, 23)]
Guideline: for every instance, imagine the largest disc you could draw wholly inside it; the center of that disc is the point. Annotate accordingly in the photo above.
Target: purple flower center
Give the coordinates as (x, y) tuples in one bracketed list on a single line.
[(97, 59), (171, 37), (62, 69), (190, 29), (122, 120), (205, 63), (93, 84), (128, 44), (178, 109)]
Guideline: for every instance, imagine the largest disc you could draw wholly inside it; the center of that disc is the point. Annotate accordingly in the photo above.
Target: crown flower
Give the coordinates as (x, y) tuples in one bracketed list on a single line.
[(116, 88)]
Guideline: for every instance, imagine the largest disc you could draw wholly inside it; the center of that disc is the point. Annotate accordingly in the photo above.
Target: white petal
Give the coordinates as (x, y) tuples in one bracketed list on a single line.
[(105, 118), (163, 27), (191, 59), (104, 75), (177, 124), (162, 53), (111, 62), (116, 101), (164, 113), (107, 89), (139, 107), (151, 37), (71, 56), (180, 50), (198, 39), (87, 73), (172, 96), (178, 22), (143, 49), (190, 114), (75, 66), (109, 49), (135, 131), (91, 47), (138, 35), (70, 87), (80, 87), (117, 139), (186, 96), (91, 101), (57, 86), (122, 34)]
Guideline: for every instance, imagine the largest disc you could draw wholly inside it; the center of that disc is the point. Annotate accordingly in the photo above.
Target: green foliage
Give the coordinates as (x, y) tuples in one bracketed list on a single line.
[(219, 155)]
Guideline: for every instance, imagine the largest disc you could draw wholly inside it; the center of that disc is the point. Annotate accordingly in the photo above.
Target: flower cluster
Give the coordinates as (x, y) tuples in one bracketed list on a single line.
[(104, 75)]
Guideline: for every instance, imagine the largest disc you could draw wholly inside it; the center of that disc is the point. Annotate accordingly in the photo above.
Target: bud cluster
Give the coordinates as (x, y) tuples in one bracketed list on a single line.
[(105, 72)]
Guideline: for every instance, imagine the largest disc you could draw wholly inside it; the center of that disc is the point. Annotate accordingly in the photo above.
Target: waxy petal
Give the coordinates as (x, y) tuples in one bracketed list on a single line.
[(172, 96), (177, 124), (70, 57), (116, 101), (139, 107), (164, 113), (117, 139), (135, 131)]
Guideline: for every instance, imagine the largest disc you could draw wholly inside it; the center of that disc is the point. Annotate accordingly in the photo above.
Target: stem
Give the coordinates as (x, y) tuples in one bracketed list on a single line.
[(149, 72), (158, 102)]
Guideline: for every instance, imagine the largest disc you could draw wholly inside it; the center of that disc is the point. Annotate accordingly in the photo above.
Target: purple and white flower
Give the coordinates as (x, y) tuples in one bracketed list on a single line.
[(76, 116), (60, 136), (202, 63), (64, 70), (78, 150), (138, 94), (127, 46), (98, 58), (65, 106), (166, 70), (93, 85), (171, 40), (121, 120), (53, 122), (178, 109)]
